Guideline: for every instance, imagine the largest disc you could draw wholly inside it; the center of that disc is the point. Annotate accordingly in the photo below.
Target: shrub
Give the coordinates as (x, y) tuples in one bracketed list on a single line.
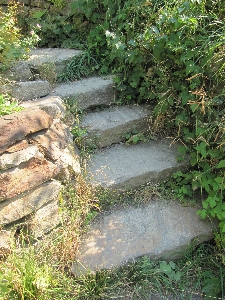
[(171, 53), (13, 46)]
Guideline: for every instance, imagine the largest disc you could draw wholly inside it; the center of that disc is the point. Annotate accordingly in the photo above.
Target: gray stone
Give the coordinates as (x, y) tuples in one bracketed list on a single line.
[(57, 57), (53, 106), (45, 219), (108, 126), (19, 72), (11, 160), (124, 167), (159, 229), (90, 92), (25, 204), (29, 90)]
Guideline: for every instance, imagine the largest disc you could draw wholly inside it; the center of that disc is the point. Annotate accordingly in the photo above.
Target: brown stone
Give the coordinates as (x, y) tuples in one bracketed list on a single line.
[(16, 126), (18, 180), (18, 146), (57, 144), (11, 160), (55, 139)]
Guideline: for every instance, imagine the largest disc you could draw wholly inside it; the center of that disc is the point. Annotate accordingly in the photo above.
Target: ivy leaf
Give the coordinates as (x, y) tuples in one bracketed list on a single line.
[(221, 164)]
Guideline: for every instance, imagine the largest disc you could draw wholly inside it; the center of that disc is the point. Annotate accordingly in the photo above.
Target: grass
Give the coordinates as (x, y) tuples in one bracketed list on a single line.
[(42, 270)]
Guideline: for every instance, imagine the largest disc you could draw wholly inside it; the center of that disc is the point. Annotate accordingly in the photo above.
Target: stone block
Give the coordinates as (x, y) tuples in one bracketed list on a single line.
[(58, 143), (89, 93), (26, 177), (14, 159), (108, 126), (29, 90), (27, 203), (126, 167), (20, 71), (16, 126), (159, 229), (58, 58), (45, 219)]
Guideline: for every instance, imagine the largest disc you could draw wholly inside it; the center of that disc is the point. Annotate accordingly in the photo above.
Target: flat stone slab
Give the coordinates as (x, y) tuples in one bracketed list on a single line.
[(29, 90), (58, 57), (52, 105), (16, 126), (10, 160), (123, 167), (108, 126), (45, 219), (88, 93), (159, 229), (24, 178)]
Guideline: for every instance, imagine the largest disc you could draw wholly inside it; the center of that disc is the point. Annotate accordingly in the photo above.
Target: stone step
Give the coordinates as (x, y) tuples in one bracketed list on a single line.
[(108, 126), (123, 167), (88, 93), (58, 58), (159, 229)]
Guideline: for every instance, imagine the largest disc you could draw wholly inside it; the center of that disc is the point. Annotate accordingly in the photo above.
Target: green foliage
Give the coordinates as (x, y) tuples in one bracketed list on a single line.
[(58, 3), (22, 277), (172, 53), (82, 65), (134, 137), (13, 46), (8, 106), (57, 30)]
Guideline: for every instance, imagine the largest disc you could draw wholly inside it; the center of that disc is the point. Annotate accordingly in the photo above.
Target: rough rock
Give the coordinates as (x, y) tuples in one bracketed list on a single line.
[(26, 177), (5, 238), (19, 72), (159, 229), (90, 92), (57, 144), (123, 167), (57, 57), (45, 219), (29, 90), (18, 146), (27, 203), (16, 126), (53, 106), (11, 160), (108, 126)]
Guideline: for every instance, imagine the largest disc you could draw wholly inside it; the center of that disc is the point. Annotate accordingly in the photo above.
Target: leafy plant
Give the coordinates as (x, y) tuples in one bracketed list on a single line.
[(57, 30), (13, 46), (171, 53), (8, 106), (80, 66), (134, 137)]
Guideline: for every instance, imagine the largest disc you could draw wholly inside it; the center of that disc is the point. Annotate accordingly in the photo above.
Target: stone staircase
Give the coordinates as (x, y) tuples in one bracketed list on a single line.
[(160, 229)]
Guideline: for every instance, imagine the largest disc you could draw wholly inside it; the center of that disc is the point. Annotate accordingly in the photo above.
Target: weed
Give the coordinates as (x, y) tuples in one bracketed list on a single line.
[(80, 66), (134, 137), (8, 105), (47, 72)]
